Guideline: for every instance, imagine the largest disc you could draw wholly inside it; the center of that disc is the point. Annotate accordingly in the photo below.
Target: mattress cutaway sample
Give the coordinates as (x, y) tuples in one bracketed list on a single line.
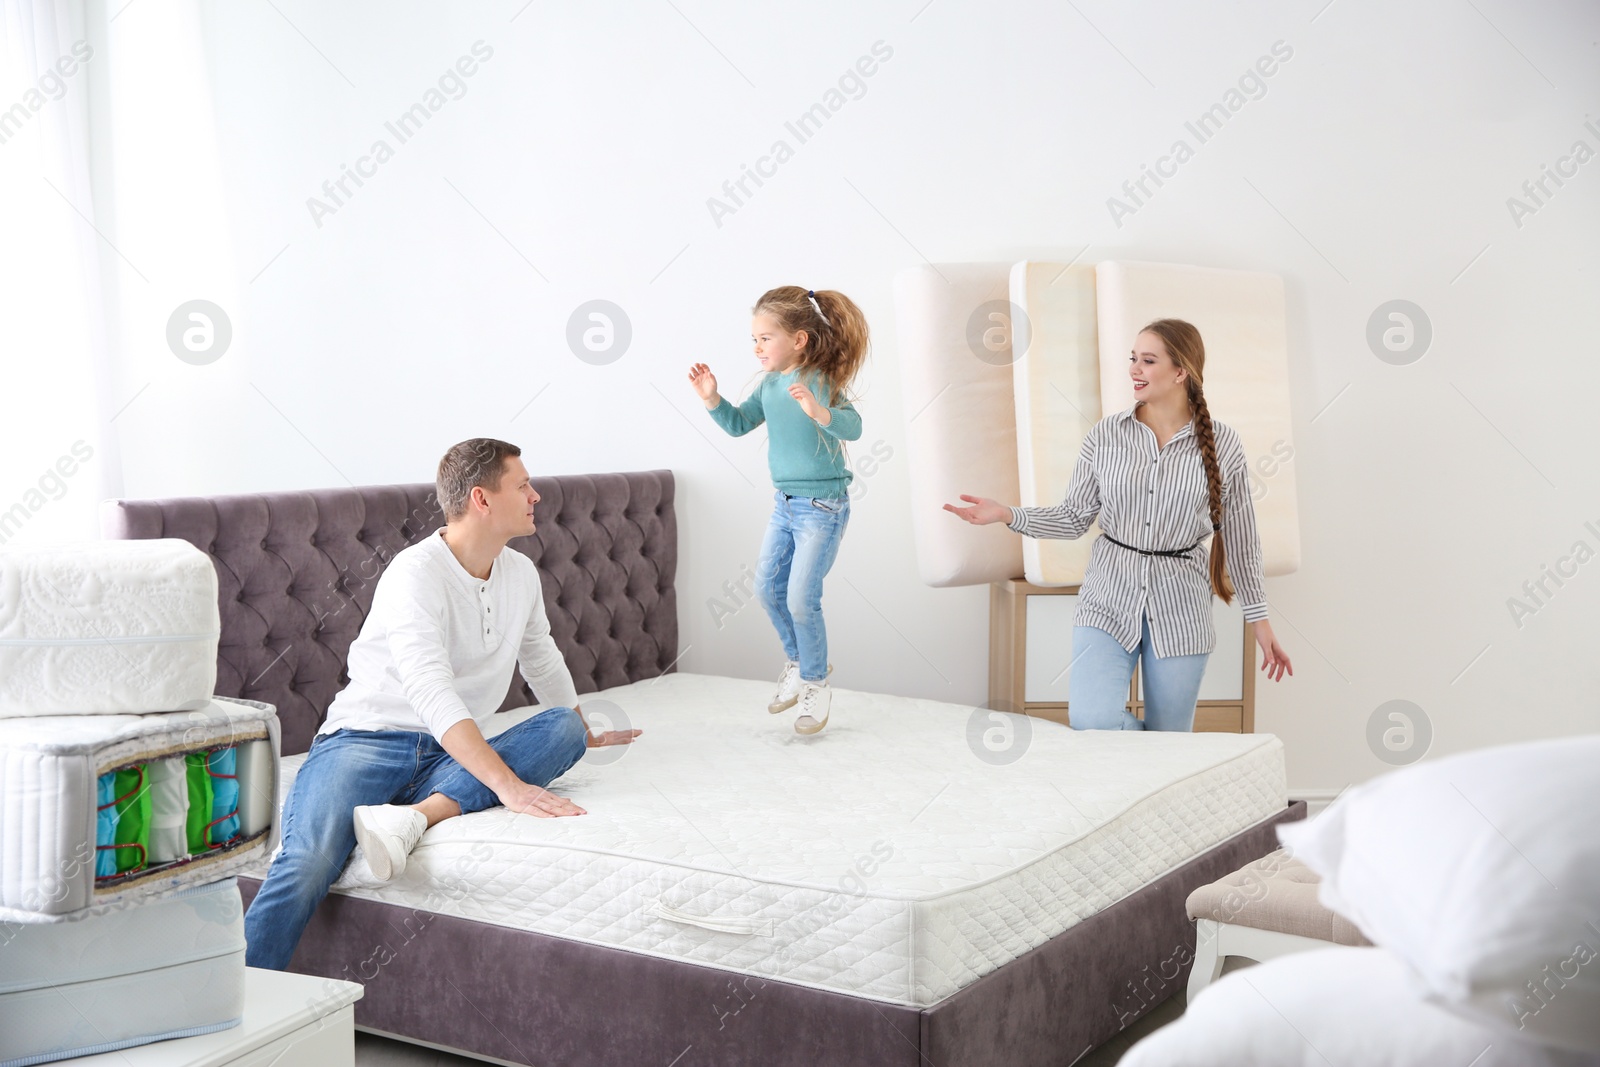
[(1057, 394), (1242, 320), (954, 322), (107, 627), (923, 846), (166, 969), (100, 811)]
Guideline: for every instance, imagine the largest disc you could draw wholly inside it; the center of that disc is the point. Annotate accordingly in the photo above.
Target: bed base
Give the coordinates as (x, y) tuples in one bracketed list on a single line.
[(517, 997)]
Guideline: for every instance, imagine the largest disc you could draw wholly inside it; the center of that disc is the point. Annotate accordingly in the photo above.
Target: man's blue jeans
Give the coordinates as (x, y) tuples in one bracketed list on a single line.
[(799, 549), (1102, 671), (349, 768)]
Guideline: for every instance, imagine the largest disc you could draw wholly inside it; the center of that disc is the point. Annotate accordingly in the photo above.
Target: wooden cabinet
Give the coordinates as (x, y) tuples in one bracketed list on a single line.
[(1030, 647)]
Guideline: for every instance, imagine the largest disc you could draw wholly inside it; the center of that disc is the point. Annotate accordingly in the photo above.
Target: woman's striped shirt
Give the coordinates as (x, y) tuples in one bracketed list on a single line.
[(1155, 498)]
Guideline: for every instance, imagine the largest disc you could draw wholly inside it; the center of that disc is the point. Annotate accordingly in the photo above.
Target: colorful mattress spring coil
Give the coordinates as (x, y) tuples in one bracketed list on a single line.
[(166, 810), (56, 812)]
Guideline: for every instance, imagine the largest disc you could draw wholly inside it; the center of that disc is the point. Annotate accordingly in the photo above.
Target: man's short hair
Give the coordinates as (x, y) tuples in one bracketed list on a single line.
[(468, 465)]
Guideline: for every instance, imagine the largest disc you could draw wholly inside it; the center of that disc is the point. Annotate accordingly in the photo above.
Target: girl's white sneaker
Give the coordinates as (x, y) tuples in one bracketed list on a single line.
[(789, 685), (788, 689), (816, 699)]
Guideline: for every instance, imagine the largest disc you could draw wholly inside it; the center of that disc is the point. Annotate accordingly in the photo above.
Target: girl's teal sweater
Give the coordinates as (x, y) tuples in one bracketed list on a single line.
[(806, 458)]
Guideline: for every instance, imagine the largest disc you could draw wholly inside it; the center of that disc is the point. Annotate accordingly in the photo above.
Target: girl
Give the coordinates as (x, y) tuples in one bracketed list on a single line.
[(1161, 476), (811, 346)]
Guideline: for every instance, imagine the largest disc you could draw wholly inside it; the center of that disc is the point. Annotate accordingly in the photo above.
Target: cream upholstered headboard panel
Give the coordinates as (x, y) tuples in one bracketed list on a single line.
[(955, 372), (1057, 385), (1241, 317)]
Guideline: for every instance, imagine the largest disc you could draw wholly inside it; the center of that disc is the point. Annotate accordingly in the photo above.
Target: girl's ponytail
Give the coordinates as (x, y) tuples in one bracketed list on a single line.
[(836, 332)]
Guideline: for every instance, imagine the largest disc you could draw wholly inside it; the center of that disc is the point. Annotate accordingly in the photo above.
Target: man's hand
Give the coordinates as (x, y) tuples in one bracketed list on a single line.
[(610, 737), (602, 738), (526, 799)]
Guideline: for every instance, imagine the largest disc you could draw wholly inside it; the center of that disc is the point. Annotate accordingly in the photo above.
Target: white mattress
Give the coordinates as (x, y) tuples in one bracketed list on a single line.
[(107, 627), (882, 858), (170, 968), (49, 768), (960, 419), (1241, 317), (1057, 385)]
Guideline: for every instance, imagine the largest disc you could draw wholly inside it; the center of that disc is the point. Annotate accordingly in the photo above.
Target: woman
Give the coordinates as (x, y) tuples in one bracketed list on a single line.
[(1161, 476)]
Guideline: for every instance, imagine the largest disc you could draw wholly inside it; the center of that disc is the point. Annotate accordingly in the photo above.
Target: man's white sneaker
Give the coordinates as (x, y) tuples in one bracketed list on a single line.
[(387, 833), (788, 688), (815, 701)]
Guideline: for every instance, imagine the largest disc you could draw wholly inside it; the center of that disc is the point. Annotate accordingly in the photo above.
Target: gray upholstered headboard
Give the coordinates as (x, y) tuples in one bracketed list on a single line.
[(296, 572)]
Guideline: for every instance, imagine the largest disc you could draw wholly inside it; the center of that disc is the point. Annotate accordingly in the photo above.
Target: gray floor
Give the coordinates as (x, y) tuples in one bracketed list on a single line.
[(374, 1051), (381, 1052)]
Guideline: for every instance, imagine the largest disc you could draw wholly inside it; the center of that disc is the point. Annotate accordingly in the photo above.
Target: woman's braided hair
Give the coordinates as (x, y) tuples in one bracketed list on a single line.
[(1188, 352)]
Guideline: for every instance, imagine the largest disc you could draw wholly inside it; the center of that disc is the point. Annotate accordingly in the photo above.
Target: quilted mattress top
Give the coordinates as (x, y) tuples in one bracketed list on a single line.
[(895, 856), (717, 783)]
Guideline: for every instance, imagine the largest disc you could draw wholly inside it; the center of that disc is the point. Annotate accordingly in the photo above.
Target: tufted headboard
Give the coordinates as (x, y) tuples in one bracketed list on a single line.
[(296, 573)]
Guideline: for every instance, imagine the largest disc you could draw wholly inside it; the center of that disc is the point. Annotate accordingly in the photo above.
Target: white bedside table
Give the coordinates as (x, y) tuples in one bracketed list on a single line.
[(288, 1019)]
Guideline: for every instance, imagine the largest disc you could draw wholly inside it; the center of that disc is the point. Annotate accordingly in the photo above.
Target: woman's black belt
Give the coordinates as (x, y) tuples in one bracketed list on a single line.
[(1178, 553)]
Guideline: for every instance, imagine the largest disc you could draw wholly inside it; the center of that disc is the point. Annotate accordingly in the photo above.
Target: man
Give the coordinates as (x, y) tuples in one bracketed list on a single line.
[(402, 746)]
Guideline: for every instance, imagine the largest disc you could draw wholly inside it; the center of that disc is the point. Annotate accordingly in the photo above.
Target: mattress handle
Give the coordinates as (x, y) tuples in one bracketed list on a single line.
[(722, 924)]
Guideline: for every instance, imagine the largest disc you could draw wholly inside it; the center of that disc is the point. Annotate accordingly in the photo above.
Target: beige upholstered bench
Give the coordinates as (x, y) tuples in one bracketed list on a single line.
[(1264, 909)]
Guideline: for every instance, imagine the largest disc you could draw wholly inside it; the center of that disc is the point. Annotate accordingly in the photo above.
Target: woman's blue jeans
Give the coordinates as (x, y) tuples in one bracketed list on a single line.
[(799, 549), (1102, 671), (349, 768)]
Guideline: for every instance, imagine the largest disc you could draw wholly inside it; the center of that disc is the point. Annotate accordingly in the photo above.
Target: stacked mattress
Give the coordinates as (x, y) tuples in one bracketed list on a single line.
[(173, 968), (101, 811), (893, 861), (129, 796), (956, 342), (115, 626)]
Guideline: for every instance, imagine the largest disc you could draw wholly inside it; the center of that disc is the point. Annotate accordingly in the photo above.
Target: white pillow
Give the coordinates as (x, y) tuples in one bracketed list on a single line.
[(1332, 1007), (1482, 872)]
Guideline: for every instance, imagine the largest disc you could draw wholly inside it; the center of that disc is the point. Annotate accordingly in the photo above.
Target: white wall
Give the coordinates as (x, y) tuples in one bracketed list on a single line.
[(1377, 165)]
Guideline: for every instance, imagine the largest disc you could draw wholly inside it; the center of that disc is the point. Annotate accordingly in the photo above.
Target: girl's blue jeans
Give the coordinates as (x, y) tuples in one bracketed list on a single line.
[(799, 549), (1102, 671)]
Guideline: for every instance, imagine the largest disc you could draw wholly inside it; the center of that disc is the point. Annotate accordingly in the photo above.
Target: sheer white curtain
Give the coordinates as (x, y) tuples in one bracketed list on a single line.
[(112, 220), (58, 451)]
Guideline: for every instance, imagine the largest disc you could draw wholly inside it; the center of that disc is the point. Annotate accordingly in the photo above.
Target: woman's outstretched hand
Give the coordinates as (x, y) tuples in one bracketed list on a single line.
[(1274, 660), (982, 512), (705, 384)]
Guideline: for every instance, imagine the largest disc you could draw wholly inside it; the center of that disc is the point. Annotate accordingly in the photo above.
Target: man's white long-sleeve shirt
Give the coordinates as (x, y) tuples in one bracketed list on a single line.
[(438, 645)]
